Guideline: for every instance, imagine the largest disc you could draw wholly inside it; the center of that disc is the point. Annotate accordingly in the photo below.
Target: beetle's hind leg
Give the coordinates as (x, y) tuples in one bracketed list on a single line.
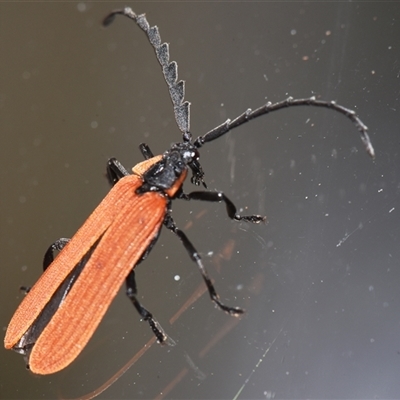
[(58, 245), (131, 291)]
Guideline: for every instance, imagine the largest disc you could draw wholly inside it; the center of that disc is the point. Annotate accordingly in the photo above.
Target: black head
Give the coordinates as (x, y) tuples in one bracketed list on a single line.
[(190, 156), (164, 174)]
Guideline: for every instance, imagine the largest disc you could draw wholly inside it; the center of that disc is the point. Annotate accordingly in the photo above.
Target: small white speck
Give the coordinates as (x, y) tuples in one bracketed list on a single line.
[(391, 210), (81, 7), (293, 32), (94, 124), (177, 278)]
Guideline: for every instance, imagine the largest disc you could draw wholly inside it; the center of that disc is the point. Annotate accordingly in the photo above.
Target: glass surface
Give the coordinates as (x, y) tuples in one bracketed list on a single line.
[(319, 281)]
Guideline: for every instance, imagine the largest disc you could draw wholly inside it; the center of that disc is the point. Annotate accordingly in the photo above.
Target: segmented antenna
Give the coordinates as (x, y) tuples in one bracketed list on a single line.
[(182, 108), (249, 114), (170, 69)]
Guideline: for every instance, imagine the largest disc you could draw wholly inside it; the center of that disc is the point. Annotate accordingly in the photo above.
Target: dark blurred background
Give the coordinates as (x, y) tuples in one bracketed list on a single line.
[(320, 281)]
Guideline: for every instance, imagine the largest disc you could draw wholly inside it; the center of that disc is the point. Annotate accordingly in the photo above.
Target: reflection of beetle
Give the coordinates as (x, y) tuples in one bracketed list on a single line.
[(62, 310)]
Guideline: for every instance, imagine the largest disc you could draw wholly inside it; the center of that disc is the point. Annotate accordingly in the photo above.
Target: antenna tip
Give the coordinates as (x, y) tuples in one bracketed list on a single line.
[(371, 151), (108, 19)]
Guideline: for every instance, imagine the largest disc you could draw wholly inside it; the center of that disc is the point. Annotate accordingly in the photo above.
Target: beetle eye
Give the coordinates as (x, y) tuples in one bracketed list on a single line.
[(188, 156)]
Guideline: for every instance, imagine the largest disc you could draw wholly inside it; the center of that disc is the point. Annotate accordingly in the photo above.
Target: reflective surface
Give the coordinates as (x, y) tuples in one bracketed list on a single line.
[(319, 281)]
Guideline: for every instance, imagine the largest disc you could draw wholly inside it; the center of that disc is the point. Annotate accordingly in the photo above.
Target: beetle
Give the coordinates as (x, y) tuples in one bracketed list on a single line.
[(60, 313)]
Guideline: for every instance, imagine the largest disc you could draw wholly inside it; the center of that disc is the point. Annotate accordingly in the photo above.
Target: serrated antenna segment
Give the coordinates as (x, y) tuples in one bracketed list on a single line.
[(182, 116), (170, 71)]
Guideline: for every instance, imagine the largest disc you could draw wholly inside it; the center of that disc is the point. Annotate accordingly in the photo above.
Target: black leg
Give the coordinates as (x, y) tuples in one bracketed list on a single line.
[(217, 197), (58, 245), (131, 291), (115, 171), (145, 150), (194, 255)]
